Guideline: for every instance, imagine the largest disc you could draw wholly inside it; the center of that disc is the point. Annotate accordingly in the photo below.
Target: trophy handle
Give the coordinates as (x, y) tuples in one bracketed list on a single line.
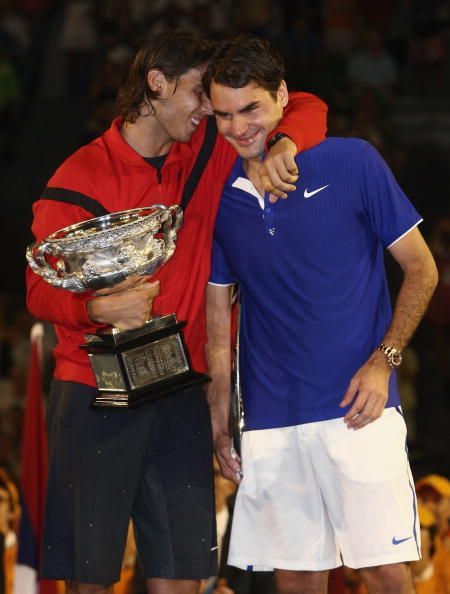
[(38, 263), (170, 227), (176, 220)]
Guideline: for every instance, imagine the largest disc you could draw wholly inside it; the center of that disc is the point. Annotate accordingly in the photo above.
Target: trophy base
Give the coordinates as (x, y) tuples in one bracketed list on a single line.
[(136, 366), (189, 380)]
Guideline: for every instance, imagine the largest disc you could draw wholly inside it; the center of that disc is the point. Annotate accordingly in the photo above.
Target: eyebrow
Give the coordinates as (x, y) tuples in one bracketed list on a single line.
[(247, 107)]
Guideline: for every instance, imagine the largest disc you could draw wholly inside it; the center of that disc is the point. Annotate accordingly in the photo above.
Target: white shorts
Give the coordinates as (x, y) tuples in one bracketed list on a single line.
[(317, 496)]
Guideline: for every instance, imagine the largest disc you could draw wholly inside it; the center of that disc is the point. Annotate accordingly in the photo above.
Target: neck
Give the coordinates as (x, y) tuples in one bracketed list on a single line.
[(251, 168), (146, 137)]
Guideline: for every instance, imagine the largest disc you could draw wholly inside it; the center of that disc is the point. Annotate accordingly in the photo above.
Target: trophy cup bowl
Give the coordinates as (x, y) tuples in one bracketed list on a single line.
[(130, 366)]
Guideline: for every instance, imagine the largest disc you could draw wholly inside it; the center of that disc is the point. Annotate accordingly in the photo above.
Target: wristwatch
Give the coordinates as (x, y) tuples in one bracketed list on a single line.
[(275, 138), (393, 356)]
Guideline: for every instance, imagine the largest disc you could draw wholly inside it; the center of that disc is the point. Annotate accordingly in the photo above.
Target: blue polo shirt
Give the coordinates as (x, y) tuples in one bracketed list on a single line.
[(314, 295)]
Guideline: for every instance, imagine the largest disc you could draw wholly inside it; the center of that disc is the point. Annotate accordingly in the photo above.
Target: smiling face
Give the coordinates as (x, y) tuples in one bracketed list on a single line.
[(182, 104), (245, 116)]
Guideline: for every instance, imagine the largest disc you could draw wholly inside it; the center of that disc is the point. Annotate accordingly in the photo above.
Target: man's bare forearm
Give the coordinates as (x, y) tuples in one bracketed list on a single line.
[(410, 307), (419, 282), (368, 390), (219, 391), (218, 353)]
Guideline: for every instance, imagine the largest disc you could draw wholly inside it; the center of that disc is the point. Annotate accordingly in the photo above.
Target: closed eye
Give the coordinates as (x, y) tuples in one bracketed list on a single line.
[(250, 107), (225, 115)]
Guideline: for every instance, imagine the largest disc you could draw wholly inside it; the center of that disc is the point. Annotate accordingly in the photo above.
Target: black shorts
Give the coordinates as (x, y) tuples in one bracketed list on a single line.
[(152, 463)]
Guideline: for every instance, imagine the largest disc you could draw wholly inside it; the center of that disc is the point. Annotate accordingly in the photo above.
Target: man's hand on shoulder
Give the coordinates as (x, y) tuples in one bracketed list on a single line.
[(278, 172), (367, 392), (126, 308)]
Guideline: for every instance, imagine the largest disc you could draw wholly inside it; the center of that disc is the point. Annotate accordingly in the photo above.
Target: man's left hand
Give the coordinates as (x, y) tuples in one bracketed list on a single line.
[(278, 172), (367, 392)]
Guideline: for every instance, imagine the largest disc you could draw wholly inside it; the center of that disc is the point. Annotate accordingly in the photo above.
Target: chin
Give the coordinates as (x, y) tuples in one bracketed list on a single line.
[(250, 153), (185, 137)]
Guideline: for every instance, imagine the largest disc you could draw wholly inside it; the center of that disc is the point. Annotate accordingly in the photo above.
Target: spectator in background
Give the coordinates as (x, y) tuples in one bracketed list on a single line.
[(372, 67), (341, 21), (13, 23), (302, 48), (433, 492), (109, 78), (15, 345), (428, 47), (79, 39), (378, 13), (367, 121), (424, 573), (261, 17), (9, 518), (433, 417), (400, 30), (10, 97)]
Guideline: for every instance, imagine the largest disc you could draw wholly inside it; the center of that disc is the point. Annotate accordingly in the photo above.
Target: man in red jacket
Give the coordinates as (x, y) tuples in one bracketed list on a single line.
[(153, 463)]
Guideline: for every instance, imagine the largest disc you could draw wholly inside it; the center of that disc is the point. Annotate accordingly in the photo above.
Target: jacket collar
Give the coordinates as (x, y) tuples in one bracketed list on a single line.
[(114, 139)]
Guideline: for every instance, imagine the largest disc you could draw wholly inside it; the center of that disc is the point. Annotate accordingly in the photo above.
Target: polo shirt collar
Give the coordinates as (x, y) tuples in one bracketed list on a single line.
[(114, 139)]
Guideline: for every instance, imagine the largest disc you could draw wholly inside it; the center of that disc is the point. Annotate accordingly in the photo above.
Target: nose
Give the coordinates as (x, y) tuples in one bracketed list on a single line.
[(238, 126)]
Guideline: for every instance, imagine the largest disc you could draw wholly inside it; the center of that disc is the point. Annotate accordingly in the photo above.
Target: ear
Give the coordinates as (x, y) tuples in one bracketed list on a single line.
[(283, 94), (157, 82)]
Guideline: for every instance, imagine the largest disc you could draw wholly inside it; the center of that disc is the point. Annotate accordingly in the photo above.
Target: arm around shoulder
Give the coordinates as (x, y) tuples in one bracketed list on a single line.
[(304, 120)]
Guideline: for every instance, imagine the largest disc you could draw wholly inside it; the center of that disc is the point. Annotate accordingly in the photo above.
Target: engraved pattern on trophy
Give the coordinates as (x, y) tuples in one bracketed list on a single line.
[(102, 252)]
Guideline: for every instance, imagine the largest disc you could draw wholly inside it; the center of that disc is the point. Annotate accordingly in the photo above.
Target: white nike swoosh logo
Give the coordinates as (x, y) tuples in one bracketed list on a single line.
[(307, 194)]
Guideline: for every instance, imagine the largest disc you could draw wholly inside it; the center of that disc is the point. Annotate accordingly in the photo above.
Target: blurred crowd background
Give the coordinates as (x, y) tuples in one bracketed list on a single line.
[(382, 66)]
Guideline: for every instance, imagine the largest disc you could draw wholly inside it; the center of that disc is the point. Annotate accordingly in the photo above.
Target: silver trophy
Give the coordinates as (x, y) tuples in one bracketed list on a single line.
[(130, 366)]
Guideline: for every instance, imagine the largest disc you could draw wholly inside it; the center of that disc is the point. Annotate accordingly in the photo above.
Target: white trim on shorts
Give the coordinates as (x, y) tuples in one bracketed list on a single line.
[(319, 495)]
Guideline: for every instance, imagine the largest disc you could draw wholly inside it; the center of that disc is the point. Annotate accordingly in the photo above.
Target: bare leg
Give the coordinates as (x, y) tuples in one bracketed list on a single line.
[(301, 582), (388, 579), (163, 586), (77, 588)]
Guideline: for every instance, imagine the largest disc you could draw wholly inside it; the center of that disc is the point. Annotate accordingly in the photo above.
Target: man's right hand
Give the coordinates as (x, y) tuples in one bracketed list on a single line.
[(229, 461), (126, 306)]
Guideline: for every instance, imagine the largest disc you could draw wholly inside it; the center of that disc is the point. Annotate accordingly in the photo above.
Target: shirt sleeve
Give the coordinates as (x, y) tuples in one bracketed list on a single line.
[(304, 120), (390, 212), (220, 271), (44, 301)]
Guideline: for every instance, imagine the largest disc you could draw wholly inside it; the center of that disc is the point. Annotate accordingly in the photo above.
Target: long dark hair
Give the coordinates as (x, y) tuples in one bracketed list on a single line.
[(173, 52)]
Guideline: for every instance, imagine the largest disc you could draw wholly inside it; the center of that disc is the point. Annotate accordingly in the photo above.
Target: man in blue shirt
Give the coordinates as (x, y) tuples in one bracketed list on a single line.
[(319, 345)]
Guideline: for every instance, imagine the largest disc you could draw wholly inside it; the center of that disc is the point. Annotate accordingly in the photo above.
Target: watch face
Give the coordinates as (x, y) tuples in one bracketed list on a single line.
[(396, 358)]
